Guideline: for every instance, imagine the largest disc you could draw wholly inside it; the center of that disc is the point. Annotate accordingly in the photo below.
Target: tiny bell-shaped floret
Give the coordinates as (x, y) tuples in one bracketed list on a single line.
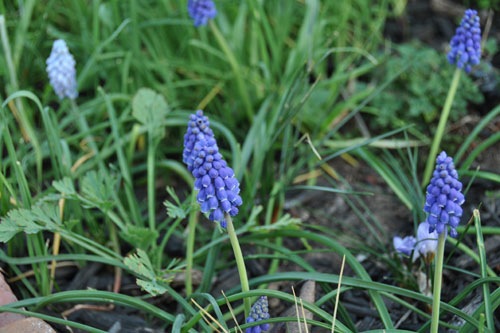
[(201, 11), (259, 311), (444, 197), (61, 70), (465, 45)]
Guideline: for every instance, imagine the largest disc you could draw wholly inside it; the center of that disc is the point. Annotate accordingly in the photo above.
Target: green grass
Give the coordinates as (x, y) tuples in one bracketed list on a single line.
[(290, 88)]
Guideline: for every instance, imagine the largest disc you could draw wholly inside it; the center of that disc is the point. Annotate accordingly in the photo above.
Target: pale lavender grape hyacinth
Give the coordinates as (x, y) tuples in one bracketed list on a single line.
[(444, 197), (214, 179), (61, 70), (465, 45), (201, 11), (259, 311), (404, 245), (424, 245)]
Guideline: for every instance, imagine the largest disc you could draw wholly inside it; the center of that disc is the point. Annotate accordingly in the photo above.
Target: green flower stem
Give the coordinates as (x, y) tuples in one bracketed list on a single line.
[(240, 262), (151, 182), (438, 279), (193, 220), (431, 159)]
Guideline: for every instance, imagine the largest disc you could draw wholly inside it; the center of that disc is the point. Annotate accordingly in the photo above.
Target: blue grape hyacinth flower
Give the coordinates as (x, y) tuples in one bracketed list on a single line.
[(259, 311), (465, 45), (61, 70), (198, 130), (201, 11), (214, 179), (444, 197)]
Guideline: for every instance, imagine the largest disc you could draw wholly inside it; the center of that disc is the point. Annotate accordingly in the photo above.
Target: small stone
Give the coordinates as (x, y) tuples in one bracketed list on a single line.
[(6, 297), (27, 325)]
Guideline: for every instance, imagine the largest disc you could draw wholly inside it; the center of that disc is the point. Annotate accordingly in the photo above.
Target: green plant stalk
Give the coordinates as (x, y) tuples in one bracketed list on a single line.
[(236, 70), (441, 127), (438, 279), (151, 181), (490, 322), (193, 221), (240, 262)]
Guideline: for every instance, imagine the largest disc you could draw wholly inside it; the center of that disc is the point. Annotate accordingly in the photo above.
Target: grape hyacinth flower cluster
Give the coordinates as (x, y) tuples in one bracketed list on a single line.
[(466, 43), (201, 11), (218, 187), (424, 245), (61, 70), (444, 197), (259, 311)]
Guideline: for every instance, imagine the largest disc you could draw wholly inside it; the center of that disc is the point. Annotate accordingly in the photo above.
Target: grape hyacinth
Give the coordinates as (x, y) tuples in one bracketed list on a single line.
[(201, 11), (444, 197), (218, 187), (424, 244), (61, 70), (404, 245), (466, 43), (259, 311)]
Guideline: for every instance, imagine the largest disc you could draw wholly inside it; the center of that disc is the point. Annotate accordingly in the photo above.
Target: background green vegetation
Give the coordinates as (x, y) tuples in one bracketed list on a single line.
[(289, 87)]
